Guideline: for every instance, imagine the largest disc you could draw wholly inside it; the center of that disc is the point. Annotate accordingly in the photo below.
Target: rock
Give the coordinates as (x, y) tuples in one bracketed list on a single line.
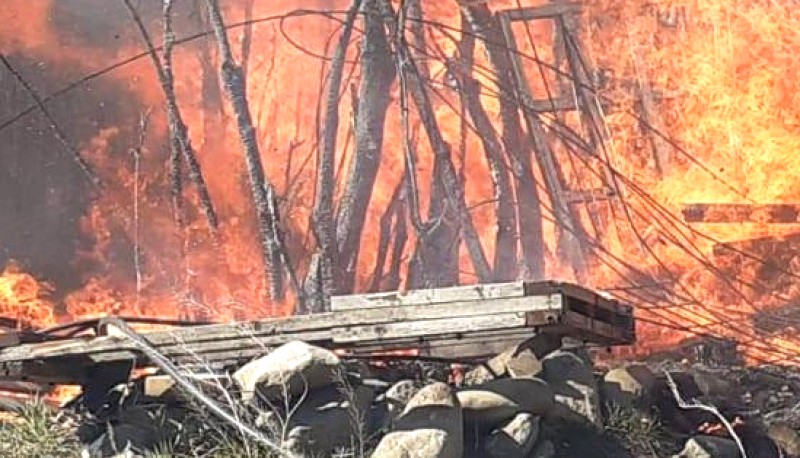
[(575, 388), (485, 409), (713, 386), (521, 360), (628, 386), (709, 447), (489, 405), (533, 395), (138, 430), (516, 438), (787, 438), (164, 388), (329, 418), (398, 395), (431, 426), (545, 449), (294, 368)]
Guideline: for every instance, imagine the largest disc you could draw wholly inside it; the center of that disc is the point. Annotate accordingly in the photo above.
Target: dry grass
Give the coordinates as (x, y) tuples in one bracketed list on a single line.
[(37, 431), (640, 433)]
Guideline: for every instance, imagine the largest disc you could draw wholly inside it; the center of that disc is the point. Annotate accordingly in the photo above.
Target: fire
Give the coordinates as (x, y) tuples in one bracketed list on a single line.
[(716, 71), (25, 299)]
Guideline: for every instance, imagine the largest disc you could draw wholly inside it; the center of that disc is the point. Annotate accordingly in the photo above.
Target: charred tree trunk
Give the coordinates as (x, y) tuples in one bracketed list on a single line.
[(435, 260), (274, 253), (518, 150), (442, 152), (323, 220), (179, 132), (393, 223), (213, 113), (505, 263), (377, 75)]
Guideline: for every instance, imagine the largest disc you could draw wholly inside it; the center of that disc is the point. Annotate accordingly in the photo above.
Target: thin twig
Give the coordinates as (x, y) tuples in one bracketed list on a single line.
[(173, 371), (695, 405), (137, 155), (178, 129), (272, 248)]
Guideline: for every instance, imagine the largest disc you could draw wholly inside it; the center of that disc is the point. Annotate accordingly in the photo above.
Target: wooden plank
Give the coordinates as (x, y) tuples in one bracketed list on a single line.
[(463, 329), (428, 296), (278, 329), (546, 11), (551, 106), (742, 213), (444, 326), (8, 337)]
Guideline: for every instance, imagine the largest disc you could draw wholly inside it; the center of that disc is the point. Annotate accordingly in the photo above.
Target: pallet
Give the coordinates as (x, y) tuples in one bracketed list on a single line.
[(463, 322)]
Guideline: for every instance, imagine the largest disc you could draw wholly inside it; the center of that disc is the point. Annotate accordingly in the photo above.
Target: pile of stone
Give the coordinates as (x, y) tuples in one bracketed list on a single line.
[(534, 400)]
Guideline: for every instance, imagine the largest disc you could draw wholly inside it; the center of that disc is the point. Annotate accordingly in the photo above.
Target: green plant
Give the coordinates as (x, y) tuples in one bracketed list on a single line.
[(640, 432), (37, 432)]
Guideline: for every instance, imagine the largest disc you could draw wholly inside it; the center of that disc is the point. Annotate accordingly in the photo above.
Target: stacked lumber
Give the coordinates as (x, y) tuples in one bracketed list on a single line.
[(468, 322)]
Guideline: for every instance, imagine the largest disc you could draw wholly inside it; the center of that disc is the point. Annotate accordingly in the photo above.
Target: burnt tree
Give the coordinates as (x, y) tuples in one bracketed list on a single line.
[(435, 259), (454, 189), (275, 256), (377, 76), (518, 150), (320, 284)]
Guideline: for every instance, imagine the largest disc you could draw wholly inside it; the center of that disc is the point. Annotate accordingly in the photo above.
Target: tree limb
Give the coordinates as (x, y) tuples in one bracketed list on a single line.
[(272, 249), (485, 26), (453, 188), (323, 219), (179, 132), (377, 75)]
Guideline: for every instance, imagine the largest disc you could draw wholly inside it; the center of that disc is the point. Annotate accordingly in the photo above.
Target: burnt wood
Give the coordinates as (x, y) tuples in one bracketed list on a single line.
[(443, 323)]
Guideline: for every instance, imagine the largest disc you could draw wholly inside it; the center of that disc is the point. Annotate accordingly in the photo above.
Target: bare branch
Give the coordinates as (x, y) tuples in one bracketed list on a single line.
[(60, 135), (169, 367), (695, 405), (377, 75), (485, 26), (505, 260), (179, 132), (453, 187), (324, 227), (272, 248)]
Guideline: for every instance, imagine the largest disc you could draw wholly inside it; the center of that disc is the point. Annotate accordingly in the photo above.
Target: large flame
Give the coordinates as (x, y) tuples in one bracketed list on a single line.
[(721, 71)]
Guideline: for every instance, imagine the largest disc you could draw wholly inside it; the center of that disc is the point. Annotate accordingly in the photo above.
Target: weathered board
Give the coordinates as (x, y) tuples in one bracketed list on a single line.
[(742, 213), (428, 296), (464, 322)]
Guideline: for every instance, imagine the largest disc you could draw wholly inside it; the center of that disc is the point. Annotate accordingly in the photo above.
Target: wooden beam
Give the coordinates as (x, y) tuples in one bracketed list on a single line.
[(428, 296), (433, 321), (742, 213), (547, 11)]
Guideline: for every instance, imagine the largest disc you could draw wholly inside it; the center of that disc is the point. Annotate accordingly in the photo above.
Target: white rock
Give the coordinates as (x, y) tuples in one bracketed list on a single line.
[(516, 438), (291, 369), (629, 385), (576, 391), (709, 447), (431, 426), (489, 405)]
